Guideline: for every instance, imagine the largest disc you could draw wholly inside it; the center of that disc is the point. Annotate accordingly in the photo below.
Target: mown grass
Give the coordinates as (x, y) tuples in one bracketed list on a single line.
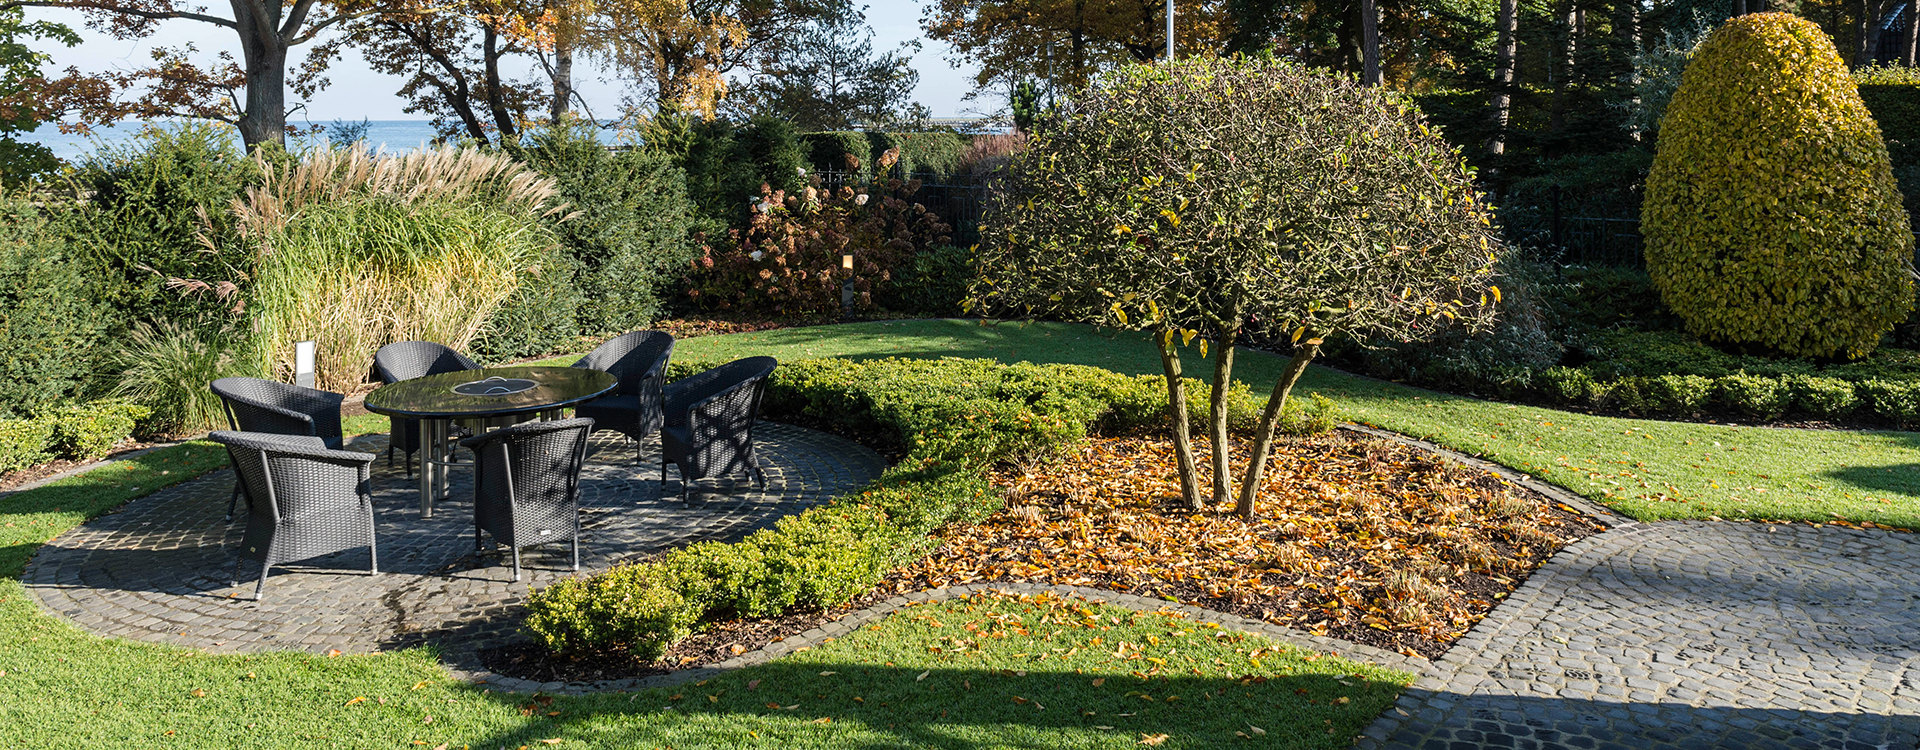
[(1644, 468)]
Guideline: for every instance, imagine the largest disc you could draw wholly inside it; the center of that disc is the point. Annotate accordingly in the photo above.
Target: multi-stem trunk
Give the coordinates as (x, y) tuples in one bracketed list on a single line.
[(1263, 440), (1182, 440), (496, 103), (1217, 418)]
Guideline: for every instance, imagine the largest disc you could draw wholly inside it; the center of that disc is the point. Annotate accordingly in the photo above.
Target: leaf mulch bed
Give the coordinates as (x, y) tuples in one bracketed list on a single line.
[(1359, 538)]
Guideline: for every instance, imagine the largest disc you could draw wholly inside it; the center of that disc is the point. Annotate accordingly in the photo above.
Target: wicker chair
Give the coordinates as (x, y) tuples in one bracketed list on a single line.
[(406, 360), (304, 500), (639, 360), (255, 405), (709, 422), (526, 488)]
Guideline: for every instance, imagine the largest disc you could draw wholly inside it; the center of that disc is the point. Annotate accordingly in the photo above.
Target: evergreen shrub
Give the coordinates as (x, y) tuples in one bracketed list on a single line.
[(1755, 396), (628, 223), (51, 322), (1772, 219)]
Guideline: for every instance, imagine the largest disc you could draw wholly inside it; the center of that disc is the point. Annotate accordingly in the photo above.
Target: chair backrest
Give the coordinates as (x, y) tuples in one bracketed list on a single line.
[(631, 357), (728, 396), (539, 462), (406, 360), (266, 406), (289, 475)]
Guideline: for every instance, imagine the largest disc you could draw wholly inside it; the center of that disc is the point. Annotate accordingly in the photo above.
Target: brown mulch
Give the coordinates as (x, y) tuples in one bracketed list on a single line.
[(1358, 538)]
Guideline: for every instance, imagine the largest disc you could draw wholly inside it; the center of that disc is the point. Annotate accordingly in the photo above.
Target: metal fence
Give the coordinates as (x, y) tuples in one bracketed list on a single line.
[(957, 199)]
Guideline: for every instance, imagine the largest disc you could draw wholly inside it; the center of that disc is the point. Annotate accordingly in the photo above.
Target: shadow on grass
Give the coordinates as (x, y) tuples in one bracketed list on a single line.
[(814, 703), (1898, 479)]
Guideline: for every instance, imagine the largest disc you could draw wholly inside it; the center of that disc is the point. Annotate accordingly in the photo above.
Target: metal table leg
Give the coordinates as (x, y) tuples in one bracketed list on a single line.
[(432, 442)]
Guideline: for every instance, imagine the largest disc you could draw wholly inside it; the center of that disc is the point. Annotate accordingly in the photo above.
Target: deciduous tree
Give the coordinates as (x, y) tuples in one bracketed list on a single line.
[(1212, 199)]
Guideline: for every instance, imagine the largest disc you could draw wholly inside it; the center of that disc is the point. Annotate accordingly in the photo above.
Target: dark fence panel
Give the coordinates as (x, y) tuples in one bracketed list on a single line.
[(958, 200)]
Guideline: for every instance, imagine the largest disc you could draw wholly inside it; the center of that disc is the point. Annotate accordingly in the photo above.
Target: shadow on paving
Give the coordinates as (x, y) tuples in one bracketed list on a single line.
[(1537, 723), (798, 702)]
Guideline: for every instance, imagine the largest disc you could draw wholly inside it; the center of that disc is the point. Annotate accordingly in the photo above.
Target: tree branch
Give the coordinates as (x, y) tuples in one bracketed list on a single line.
[(158, 15)]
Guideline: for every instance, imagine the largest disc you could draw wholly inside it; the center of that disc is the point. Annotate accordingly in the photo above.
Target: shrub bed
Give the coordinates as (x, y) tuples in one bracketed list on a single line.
[(949, 420)]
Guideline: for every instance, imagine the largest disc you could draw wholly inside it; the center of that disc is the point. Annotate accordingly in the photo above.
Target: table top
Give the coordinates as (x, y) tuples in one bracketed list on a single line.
[(490, 392)]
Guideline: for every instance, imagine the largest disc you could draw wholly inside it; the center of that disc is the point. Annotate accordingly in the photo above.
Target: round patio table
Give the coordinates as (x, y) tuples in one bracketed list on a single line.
[(482, 398)]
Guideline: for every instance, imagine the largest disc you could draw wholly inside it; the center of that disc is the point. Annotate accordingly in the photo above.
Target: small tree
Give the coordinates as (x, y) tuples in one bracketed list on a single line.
[(1211, 199)]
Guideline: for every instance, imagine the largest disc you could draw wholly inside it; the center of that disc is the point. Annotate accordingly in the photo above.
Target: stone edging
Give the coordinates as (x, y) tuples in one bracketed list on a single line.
[(473, 672), (1554, 492)]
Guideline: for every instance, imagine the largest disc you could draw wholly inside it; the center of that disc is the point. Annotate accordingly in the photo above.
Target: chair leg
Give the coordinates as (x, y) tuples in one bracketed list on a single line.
[(261, 587), (233, 500), (235, 578), (576, 552), (516, 564)]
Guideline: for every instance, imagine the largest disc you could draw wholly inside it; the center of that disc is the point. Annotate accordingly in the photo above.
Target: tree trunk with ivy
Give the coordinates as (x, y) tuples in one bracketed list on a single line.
[(1269, 420)]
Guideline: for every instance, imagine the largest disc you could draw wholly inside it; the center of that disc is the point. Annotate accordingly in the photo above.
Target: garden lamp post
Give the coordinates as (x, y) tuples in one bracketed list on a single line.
[(304, 356), (846, 287), (1169, 30)]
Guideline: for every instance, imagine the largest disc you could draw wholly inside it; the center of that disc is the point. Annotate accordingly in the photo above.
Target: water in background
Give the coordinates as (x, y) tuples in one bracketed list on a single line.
[(390, 135)]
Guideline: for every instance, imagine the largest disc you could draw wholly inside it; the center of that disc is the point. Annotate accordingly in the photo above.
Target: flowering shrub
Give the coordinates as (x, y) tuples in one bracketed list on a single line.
[(791, 259)]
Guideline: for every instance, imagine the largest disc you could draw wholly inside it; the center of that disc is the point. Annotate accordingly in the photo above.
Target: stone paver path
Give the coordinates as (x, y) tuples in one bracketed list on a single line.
[(1688, 635), (160, 569)]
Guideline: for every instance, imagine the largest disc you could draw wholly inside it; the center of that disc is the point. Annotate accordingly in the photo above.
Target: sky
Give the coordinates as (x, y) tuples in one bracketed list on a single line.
[(359, 93)]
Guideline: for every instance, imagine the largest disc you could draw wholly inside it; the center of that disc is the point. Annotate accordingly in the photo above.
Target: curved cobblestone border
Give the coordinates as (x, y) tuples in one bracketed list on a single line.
[(472, 671)]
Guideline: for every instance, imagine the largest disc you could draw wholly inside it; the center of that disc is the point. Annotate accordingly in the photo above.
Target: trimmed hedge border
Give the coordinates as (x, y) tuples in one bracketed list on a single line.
[(949, 419), (80, 431)]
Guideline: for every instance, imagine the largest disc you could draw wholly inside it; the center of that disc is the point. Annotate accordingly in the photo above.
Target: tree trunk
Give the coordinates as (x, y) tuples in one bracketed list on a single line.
[(1217, 422), (1369, 42), (562, 81), (496, 104), (264, 57), (1869, 33), (1263, 441), (1912, 47), (1562, 68), (1182, 440), (1739, 8), (1502, 98)]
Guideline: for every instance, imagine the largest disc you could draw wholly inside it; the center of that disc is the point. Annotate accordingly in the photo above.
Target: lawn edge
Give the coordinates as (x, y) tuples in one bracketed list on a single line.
[(476, 674), (1603, 515)]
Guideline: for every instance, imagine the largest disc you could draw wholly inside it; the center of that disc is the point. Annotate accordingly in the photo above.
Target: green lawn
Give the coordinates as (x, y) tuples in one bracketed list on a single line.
[(1644, 468)]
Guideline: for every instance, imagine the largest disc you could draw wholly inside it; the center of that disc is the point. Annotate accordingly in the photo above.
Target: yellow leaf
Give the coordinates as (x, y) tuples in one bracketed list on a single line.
[(1203, 348), (1186, 336), (554, 741), (1298, 332), (1496, 292), (1152, 739), (361, 699)]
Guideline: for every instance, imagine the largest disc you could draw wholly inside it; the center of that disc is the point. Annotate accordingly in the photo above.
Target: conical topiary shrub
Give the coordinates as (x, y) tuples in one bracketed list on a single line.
[(1772, 219)]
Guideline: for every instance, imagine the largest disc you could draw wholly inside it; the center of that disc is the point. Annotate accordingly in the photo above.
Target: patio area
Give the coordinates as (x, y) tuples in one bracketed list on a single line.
[(160, 569)]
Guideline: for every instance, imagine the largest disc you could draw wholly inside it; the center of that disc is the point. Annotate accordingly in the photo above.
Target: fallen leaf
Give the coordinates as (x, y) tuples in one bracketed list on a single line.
[(828, 674), (199, 693), (361, 699), (554, 741), (333, 652), (822, 720), (1098, 681), (753, 684), (923, 675), (1257, 730), (1152, 739)]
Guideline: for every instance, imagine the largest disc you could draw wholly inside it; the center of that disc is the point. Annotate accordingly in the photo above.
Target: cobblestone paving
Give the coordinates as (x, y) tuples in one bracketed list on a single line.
[(160, 569), (1687, 635)]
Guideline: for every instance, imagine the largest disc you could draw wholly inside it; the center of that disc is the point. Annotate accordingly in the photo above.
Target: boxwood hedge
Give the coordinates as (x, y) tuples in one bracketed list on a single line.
[(947, 420)]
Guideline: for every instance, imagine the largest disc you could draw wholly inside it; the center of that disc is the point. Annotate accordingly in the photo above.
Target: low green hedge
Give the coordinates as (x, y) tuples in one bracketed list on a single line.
[(81, 432), (950, 419)]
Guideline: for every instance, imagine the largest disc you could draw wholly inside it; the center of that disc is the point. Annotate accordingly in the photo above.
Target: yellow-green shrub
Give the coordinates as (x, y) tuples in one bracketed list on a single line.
[(1772, 219)]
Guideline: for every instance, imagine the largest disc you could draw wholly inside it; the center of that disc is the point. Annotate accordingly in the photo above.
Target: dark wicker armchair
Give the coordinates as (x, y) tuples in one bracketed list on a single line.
[(406, 360), (255, 405), (304, 500), (709, 422), (639, 360), (526, 488)]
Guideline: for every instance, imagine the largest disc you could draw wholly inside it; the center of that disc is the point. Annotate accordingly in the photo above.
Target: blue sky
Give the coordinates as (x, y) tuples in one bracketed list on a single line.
[(359, 93)]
